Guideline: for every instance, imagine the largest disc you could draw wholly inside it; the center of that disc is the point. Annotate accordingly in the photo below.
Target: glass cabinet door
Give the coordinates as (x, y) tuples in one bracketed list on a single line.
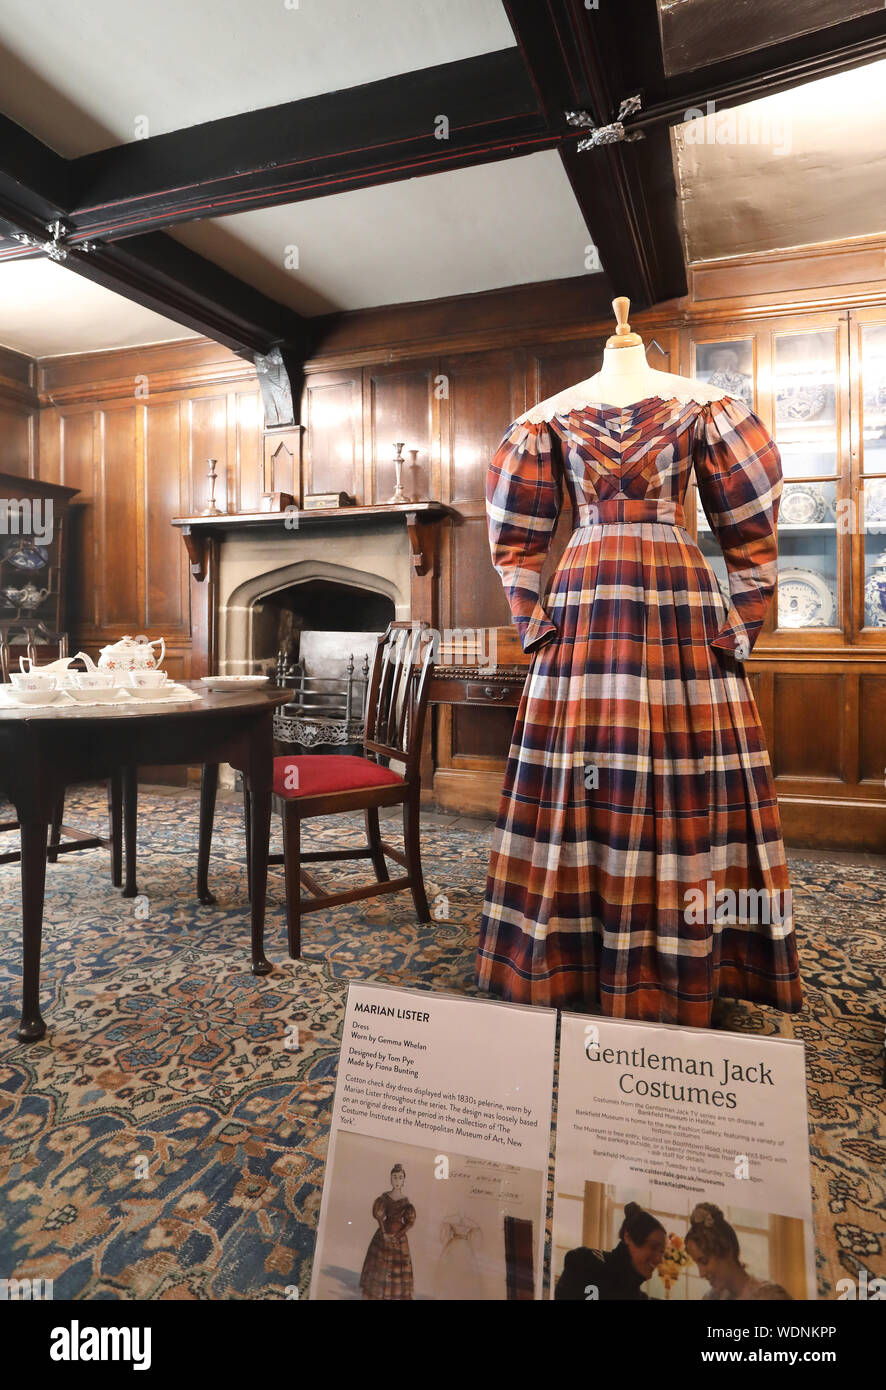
[(805, 401), (793, 378), (872, 492), (729, 365)]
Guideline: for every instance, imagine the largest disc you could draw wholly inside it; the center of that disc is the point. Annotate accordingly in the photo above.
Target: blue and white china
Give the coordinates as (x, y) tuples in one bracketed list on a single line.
[(804, 599), (800, 403), (875, 503), (875, 594), (28, 597), (28, 556), (802, 504), (31, 597)]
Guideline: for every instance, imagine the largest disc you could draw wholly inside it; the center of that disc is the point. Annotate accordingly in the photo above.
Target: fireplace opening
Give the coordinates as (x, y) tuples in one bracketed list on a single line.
[(318, 605), (319, 638)]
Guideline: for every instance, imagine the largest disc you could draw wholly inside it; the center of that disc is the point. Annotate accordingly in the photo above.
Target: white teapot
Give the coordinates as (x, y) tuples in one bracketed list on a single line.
[(131, 654)]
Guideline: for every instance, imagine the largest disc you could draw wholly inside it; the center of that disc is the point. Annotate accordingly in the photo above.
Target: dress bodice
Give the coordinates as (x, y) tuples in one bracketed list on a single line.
[(396, 1214), (643, 451), (632, 465)]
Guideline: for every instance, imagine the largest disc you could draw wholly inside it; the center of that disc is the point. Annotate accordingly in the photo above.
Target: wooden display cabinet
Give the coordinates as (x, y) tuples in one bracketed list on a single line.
[(33, 554), (818, 382)]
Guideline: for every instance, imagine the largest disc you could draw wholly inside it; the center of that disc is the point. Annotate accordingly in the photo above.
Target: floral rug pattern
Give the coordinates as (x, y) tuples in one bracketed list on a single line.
[(166, 1139)]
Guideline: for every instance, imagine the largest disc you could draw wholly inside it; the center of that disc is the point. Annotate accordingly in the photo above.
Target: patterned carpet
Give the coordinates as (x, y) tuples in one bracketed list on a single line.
[(163, 1141)]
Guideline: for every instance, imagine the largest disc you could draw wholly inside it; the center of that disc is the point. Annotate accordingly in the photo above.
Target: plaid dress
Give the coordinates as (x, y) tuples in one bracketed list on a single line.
[(387, 1268), (637, 867)]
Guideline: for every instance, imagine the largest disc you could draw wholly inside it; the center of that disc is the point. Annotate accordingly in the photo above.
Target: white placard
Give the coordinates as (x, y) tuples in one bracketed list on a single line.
[(683, 1123), (436, 1173)]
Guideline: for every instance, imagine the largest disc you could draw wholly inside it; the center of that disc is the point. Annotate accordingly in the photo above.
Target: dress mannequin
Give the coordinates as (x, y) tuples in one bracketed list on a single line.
[(625, 378), (636, 677)]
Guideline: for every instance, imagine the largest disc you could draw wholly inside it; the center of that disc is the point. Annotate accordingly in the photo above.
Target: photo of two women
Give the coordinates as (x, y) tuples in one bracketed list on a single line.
[(630, 1250)]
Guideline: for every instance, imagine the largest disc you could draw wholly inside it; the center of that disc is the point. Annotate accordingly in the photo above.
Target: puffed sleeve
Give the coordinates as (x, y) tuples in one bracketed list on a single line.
[(408, 1217), (738, 469), (522, 506), (379, 1208)]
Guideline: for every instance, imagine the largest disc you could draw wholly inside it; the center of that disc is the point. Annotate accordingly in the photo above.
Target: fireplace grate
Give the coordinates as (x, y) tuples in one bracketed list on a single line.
[(325, 709)]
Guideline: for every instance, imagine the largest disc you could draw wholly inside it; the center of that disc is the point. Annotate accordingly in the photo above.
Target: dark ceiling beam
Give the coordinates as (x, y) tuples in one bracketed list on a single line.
[(375, 133), (743, 77), (32, 176), (34, 187), (626, 191), (161, 274)]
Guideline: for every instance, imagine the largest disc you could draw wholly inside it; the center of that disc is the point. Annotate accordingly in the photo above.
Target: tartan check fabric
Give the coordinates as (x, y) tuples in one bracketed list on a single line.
[(387, 1268), (637, 867)]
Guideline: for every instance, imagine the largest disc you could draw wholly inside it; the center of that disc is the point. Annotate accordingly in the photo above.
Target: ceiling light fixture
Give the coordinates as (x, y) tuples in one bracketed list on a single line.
[(612, 134), (55, 248)]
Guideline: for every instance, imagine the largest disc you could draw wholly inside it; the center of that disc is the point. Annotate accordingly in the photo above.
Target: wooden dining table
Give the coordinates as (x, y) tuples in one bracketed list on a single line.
[(45, 749)]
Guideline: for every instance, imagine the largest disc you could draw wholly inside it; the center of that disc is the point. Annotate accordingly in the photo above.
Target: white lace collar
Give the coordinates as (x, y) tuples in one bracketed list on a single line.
[(582, 397)]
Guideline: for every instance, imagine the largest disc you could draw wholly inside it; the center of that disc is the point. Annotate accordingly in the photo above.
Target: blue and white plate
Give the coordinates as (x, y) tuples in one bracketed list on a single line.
[(26, 556), (805, 599)]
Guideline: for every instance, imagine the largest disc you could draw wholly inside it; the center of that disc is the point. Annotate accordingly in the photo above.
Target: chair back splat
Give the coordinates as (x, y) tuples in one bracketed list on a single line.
[(396, 705)]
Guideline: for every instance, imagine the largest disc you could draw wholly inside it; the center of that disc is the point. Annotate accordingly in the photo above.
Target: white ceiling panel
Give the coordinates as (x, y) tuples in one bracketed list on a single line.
[(47, 311), (83, 77), (509, 223)]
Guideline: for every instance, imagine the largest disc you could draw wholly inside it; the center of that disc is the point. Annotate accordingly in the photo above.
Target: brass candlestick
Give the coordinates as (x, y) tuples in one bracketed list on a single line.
[(399, 494), (413, 473), (212, 509)]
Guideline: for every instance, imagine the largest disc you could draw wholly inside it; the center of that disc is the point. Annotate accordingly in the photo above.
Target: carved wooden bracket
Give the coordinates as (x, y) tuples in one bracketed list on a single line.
[(423, 540), (197, 546)]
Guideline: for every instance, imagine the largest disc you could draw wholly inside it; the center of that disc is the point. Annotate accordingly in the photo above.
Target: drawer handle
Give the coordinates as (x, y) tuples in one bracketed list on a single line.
[(492, 694)]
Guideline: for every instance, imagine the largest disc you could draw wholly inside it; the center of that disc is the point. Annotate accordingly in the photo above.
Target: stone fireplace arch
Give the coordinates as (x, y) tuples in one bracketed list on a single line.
[(237, 613)]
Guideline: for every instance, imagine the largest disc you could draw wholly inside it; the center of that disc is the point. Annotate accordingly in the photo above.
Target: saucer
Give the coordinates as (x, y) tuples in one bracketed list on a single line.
[(98, 695), (150, 692), (31, 697), (234, 682)]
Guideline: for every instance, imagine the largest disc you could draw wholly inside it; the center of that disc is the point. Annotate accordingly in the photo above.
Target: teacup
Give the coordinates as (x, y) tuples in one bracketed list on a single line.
[(32, 680), (146, 680), (93, 680)]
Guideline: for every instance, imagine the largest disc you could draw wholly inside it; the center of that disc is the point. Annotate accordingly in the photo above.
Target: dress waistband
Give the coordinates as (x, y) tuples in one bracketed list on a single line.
[(631, 509)]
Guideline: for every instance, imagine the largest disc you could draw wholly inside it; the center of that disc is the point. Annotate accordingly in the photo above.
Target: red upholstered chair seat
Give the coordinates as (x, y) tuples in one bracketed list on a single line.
[(330, 772)]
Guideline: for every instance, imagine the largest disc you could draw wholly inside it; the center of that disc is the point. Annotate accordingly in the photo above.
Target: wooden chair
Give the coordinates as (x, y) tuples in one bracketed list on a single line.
[(328, 784)]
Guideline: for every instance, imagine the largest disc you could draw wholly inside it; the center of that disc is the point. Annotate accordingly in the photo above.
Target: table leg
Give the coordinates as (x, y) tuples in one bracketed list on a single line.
[(130, 822), (55, 829), (260, 834), (115, 821), (247, 822), (259, 775), (208, 789), (33, 871)]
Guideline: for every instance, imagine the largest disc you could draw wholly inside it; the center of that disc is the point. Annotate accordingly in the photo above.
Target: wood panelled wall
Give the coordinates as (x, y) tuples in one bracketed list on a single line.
[(133, 430), (19, 415)]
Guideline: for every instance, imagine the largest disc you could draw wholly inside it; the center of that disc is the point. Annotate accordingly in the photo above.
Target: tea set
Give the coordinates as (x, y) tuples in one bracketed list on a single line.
[(129, 666)]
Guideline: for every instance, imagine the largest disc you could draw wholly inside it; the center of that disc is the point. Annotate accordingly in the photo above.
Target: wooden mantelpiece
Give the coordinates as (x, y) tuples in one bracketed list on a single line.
[(419, 517)]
